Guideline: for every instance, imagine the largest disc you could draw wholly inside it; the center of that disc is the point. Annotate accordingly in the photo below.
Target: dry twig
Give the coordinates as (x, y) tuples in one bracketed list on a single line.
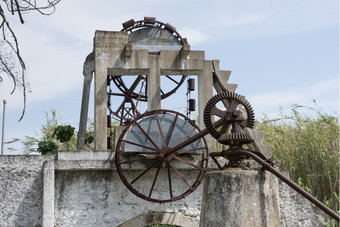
[(11, 62)]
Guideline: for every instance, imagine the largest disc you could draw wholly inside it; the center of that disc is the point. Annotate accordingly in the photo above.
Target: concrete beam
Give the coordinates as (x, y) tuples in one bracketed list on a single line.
[(184, 52)]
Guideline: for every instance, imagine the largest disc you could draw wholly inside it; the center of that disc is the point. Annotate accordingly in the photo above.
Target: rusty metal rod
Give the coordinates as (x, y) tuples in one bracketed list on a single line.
[(193, 139), (291, 183)]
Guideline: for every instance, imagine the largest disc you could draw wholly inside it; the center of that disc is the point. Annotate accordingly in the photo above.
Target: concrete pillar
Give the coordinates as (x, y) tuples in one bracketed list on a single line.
[(48, 194), (153, 83), (108, 47), (205, 93), (88, 74), (239, 198)]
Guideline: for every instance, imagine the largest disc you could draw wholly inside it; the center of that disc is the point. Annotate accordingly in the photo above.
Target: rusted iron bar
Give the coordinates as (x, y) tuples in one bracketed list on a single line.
[(266, 165), (193, 139)]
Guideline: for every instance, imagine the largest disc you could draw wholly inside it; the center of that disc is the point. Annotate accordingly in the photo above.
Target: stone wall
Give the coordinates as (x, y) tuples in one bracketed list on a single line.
[(52, 191), (21, 190), (99, 198)]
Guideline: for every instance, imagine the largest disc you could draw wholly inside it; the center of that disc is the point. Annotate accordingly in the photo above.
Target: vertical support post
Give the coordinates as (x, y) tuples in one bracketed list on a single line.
[(154, 84), (48, 194), (108, 48), (205, 92), (88, 71), (3, 128)]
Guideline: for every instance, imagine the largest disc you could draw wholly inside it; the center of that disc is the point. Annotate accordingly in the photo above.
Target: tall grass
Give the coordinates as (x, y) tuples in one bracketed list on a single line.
[(308, 147)]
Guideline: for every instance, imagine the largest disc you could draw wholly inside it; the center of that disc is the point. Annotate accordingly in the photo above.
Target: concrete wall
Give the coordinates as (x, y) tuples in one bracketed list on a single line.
[(53, 191), (21, 190)]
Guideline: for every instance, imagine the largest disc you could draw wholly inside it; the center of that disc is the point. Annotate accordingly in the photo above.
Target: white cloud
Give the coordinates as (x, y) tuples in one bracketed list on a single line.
[(196, 36), (325, 86), (271, 102)]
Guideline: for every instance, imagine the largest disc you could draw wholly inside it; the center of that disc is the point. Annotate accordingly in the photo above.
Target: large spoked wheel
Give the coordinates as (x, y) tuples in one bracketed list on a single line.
[(138, 92), (150, 167)]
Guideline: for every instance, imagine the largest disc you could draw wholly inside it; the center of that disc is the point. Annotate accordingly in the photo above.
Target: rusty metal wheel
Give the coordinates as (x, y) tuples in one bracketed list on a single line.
[(238, 115), (138, 92), (150, 167)]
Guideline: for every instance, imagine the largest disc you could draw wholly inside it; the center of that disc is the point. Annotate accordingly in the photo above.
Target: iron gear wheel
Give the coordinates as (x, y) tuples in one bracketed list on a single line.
[(239, 114)]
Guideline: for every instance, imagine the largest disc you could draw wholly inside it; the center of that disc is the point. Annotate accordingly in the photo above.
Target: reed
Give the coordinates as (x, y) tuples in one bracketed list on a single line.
[(308, 147)]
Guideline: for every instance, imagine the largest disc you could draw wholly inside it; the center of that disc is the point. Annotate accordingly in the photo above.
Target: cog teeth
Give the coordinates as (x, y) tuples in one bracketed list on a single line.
[(233, 137)]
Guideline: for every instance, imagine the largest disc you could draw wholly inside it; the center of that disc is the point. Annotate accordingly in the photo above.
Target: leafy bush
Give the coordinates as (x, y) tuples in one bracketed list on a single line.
[(63, 133), (47, 147), (52, 131), (89, 137)]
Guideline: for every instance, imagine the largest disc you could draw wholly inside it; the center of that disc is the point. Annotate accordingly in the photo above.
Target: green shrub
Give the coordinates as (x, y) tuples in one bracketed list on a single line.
[(47, 147), (63, 133)]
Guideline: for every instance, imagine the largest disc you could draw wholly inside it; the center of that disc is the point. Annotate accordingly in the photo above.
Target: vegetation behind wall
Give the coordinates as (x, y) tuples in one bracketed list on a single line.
[(308, 147)]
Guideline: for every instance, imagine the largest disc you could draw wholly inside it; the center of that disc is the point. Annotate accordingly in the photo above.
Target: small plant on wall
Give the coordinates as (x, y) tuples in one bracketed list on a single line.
[(63, 133), (47, 147), (52, 137)]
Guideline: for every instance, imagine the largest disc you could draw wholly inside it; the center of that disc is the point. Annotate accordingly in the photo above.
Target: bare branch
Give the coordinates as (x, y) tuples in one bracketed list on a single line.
[(11, 62)]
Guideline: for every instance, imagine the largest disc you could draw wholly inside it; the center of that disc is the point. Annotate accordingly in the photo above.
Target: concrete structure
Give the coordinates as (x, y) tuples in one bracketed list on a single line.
[(250, 196), (83, 189), (110, 59)]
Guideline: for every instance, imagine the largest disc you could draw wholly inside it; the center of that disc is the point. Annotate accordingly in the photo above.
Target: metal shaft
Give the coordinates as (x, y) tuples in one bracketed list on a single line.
[(3, 128), (288, 181), (193, 139)]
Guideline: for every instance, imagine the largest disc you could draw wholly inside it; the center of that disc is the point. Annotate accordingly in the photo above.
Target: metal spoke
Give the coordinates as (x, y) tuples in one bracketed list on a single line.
[(147, 135), (116, 94), (188, 163), (233, 105), (170, 185), (216, 111), (154, 180), (140, 145), (135, 83), (144, 172), (181, 140), (181, 176), (225, 128), (170, 78), (171, 130), (160, 130)]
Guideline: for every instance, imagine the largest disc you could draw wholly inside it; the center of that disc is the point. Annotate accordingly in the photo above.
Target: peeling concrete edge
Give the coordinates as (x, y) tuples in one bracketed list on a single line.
[(48, 194), (165, 218)]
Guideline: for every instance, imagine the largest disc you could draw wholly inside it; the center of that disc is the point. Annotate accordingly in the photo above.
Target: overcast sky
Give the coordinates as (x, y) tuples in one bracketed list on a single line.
[(280, 52)]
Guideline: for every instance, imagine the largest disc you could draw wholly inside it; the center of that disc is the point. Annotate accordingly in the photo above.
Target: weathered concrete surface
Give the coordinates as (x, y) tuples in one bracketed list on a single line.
[(99, 198), (239, 198), (90, 193), (295, 210), (48, 193), (21, 189), (161, 218), (85, 155)]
